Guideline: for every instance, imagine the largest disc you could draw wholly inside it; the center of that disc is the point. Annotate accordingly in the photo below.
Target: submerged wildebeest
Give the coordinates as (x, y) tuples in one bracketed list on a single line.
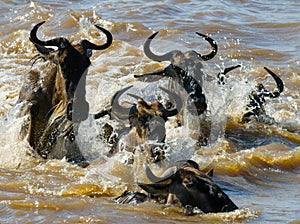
[(186, 69), (146, 122), (255, 108), (54, 95), (184, 184)]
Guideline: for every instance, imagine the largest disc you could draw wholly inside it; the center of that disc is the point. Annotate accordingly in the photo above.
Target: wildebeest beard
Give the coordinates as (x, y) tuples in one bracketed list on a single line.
[(55, 96)]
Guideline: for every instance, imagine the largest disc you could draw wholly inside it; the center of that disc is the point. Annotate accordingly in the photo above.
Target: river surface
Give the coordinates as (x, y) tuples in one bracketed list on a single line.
[(257, 165)]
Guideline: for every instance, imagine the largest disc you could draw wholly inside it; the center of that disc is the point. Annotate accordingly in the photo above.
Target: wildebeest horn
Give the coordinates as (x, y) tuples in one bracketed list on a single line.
[(280, 85), (178, 102), (166, 175), (168, 56), (226, 70), (117, 109), (155, 189), (221, 75), (135, 96), (171, 170), (187, 163), (58, 42), (151, 55), (158, 72), (212, 43), (43, 50), (88, 45), (63, 42)]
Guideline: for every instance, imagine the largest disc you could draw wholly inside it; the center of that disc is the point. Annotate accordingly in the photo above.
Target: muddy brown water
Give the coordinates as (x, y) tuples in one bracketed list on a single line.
[(257, 165)]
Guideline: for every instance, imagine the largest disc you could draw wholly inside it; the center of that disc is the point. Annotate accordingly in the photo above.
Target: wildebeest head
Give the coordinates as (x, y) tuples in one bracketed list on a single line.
[(256, 109), (73, 62), (146, 120), (185, 69), (186, 184), (56, 93)]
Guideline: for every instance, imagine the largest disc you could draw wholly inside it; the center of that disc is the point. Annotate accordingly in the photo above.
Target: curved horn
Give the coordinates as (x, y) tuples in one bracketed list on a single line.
[(134, 96), (280, 85), (178, 102), (166, 175), (117, 109), (212, 43), (158, 72), (43, 50), (88, 45), (181, 164), (188, 163), (221, 75), (151, 55), (226, 70), (58, 42)]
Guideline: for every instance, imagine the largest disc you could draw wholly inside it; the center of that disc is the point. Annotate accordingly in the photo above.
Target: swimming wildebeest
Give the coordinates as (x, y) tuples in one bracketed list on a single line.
[(255, 109), (184, 184), (186, 69), (54, 95), (146, 122)]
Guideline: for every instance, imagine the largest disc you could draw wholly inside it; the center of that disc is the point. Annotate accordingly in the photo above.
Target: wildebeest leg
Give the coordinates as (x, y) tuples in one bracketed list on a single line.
[(67, 147), (172, 199), (73, 154), (58, 142), (49, 137)]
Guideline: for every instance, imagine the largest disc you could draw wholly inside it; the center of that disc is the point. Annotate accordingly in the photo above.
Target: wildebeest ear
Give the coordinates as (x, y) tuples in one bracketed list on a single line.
[(210, 173), (155, 188)]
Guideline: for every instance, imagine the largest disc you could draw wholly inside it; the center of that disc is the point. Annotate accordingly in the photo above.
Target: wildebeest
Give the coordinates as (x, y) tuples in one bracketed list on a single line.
[(186, 69), (255, 108), (146, 122), (54, 95), (184, 184)]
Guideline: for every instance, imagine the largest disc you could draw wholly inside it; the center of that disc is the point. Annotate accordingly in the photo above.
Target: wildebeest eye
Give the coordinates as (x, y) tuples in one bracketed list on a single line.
[(188, 182), (89, 53)]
